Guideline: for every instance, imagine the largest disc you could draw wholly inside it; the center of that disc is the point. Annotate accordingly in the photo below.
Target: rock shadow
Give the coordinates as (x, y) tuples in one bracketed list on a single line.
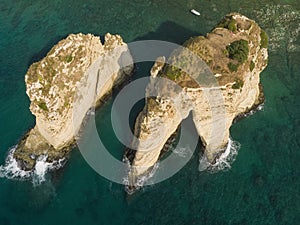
[(169, 31), (43, 52)]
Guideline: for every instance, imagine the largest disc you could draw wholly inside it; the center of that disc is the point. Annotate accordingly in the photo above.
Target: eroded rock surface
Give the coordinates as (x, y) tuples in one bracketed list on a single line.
[(63, 86), (235, 53)]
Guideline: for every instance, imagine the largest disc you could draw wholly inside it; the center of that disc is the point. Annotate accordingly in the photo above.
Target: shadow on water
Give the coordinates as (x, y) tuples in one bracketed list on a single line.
[(43, 52), (169, 31)]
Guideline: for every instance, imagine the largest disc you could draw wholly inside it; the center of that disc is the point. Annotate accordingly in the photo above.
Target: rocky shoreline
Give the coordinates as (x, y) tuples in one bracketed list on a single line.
[(80, 73), (255, 107)]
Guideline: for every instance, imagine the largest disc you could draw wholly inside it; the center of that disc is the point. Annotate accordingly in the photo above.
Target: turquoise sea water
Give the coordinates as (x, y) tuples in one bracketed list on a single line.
[(263, 185)]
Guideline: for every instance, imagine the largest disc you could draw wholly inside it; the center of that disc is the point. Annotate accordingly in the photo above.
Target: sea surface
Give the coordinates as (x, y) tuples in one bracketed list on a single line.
[(261, 187)]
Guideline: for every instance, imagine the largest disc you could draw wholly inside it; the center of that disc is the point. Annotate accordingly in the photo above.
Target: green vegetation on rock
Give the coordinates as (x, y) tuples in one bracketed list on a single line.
[(43, 106), (225, 52), (252, 65), (238, 83), (69, 58), (238, 50), (264, 40), (228, 23), (233, 67), (172, 72)]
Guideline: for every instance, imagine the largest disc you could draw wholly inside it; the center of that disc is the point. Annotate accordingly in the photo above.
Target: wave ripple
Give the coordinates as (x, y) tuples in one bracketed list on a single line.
[(11, 169), (223, 162)]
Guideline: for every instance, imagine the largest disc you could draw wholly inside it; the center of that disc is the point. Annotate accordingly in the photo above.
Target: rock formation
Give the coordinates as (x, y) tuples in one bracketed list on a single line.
[(63, 86), (235, 52)]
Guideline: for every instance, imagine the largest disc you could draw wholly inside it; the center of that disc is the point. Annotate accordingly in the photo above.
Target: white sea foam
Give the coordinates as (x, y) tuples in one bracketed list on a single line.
[(11, 169), (258, 108), (42, 167), (182, 152), (227, 158), (126, 178), (139, 183), (91, 112), (261, 107), (224, 161), (141, 180)]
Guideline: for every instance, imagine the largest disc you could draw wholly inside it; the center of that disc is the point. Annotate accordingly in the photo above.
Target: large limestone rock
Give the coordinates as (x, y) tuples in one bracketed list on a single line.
[(64, 85), (238, 84)]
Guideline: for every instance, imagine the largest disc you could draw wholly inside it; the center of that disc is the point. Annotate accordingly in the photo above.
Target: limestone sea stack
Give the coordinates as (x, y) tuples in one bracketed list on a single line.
[(235, 52), (75, 74)]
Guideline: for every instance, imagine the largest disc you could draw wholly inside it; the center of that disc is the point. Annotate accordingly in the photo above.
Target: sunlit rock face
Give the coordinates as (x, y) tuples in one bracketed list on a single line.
[(235, 53), (63, 86)]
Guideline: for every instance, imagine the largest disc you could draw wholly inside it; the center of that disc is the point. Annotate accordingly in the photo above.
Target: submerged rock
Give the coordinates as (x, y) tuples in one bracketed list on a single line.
[(63, 86), (235, 53)]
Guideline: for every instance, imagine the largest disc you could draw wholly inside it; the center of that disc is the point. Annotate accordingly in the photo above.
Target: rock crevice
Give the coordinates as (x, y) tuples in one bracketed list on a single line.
[(63, 86), (233, 54)]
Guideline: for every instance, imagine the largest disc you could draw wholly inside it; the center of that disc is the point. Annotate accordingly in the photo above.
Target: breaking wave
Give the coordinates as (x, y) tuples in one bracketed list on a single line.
[(126, 179), (11, 169), (250, 113), (42, 167), (139, 183), (141, 180), (182, 152), (224, 161), (258, 108)]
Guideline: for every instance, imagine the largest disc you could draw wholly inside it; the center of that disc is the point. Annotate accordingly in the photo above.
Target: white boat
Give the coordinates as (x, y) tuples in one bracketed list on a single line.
[(195, 12)]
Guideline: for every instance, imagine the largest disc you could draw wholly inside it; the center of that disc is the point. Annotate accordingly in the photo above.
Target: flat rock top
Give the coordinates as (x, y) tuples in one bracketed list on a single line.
[(52, 81), (213, 50)]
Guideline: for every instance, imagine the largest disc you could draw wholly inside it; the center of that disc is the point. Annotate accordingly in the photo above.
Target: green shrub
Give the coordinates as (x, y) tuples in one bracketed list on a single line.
[(252, 65), (233, 67), (238, 84), (225, 52), (43, 106), (69, 58), (264, 40), (232, 26), (228, 23), (238, 50), (209, 63), (172, 72)]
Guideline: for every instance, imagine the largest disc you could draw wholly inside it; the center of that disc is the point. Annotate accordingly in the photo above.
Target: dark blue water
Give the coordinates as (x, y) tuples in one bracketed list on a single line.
[(262, 187)]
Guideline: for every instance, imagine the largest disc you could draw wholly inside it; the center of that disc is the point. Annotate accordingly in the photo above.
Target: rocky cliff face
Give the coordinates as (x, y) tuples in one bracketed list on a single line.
[(235, 52), (63, 86)]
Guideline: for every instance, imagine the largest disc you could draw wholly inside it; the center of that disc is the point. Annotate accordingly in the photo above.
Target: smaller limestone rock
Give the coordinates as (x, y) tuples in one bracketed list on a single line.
[(76, 73)]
